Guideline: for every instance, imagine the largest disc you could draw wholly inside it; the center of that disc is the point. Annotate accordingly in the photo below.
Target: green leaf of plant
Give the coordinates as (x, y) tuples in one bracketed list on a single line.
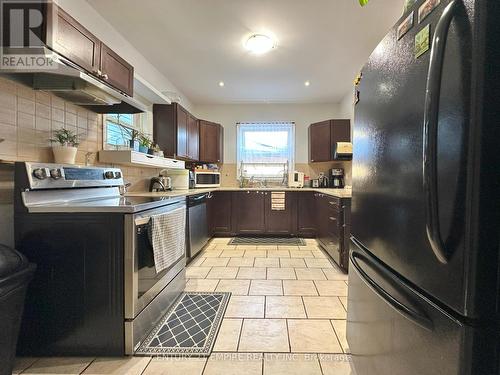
[(363, 2)]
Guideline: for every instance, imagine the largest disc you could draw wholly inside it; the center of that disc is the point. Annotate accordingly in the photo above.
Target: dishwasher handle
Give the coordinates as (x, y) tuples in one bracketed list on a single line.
[(195, 200)]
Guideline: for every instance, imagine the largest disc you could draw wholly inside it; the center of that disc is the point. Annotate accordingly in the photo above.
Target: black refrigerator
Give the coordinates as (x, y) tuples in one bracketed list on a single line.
[(424, 261)]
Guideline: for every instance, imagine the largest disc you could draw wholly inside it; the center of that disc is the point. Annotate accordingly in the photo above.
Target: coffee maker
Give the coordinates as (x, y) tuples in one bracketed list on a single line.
[(337, 178)]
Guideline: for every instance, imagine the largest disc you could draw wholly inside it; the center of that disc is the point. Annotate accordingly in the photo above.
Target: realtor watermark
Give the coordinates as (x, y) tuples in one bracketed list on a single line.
[(249, 357), (24, 36), (20, 62)]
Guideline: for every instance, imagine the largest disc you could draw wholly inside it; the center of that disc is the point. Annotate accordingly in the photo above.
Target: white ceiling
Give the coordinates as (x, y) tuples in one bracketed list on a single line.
[(197, 43)]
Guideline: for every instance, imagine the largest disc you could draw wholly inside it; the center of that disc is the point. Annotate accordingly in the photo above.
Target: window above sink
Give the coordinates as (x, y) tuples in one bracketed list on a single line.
[(265, 151)]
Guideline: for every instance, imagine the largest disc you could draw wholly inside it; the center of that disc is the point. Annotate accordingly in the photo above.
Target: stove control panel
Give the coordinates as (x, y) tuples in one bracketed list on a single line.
[(48, 176)]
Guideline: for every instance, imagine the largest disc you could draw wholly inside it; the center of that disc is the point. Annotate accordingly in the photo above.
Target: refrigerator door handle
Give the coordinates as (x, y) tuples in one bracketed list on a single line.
[(409, 313), (430, 132)]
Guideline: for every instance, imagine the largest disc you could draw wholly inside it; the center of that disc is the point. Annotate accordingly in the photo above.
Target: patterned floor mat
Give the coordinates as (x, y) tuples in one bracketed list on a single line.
[(189, 327), (292, 241)]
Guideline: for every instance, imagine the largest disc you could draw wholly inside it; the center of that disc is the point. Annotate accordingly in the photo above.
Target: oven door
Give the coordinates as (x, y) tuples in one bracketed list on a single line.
[(142, 282)]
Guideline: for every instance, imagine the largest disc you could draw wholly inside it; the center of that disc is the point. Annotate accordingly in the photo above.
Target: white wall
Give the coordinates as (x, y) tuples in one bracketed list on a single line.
[(302, 114), (84, 13), (347, 107)]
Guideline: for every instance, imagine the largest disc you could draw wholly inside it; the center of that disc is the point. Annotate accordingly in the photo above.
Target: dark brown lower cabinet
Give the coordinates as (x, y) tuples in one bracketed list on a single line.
[(249, 212), (333, 227), (253, 214), (219, 213), (306, 214), (280, 222)]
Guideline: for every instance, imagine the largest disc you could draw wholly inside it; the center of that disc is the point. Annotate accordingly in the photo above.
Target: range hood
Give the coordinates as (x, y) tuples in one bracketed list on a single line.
[(342, 151), (69, 82)]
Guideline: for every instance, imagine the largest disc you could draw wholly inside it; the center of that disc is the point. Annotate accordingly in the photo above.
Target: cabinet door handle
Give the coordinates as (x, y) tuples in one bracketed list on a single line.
[(332, 218)]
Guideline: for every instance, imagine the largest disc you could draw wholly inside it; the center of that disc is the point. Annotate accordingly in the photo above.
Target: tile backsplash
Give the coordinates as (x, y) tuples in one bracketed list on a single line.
[(29, 117), (229, 176)]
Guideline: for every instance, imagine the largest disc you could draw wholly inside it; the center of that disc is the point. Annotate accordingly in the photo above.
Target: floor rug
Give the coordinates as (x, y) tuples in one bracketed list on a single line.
[(189, 327), (290, 241)]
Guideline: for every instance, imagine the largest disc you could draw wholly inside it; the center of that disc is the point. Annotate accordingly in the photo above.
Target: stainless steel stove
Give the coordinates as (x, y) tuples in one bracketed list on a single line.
[(64, 188), (96, 291)]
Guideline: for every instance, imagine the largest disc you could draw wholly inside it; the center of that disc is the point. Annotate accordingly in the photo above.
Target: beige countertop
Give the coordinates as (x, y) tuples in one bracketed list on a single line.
[(339, 193)]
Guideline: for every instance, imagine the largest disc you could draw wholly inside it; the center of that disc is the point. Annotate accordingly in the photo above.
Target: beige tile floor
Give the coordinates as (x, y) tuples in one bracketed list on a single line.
[(286, 315)]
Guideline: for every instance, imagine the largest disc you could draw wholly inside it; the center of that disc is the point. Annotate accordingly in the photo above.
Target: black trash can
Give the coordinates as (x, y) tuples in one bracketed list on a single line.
[(15, 274)]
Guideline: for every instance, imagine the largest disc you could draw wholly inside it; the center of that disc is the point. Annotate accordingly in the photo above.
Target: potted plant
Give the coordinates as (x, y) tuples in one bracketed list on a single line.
[(65, 149), (144, 143), (151, 148), (134, 139), (157, 151)]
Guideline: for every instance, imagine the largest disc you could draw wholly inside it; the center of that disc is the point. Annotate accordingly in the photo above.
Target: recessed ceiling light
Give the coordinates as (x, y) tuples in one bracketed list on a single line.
[(307, 83), (221, 84), (259, 44)]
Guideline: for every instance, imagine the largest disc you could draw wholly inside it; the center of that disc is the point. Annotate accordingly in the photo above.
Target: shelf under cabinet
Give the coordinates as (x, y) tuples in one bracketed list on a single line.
[(138, 159)]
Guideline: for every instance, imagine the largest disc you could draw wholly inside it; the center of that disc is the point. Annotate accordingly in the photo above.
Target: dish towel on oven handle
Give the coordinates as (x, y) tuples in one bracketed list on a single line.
[(168, 238)]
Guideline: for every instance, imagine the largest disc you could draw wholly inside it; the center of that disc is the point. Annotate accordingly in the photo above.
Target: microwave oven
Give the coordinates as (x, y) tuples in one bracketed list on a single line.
[(206, 179)]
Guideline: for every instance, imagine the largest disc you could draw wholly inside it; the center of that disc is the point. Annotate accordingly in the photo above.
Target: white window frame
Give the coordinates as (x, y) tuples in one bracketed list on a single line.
[(290, 165), (139, 124)]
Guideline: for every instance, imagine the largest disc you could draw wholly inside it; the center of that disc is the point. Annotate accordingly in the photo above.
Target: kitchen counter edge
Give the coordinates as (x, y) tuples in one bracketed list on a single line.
[(338, 193)]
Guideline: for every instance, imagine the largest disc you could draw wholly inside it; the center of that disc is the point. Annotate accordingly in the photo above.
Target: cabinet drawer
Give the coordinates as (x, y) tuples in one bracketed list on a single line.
[(334, 223), (333, 203)]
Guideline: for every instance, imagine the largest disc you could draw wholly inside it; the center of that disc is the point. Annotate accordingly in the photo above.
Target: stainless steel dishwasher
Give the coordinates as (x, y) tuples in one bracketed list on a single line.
[(197, 224)]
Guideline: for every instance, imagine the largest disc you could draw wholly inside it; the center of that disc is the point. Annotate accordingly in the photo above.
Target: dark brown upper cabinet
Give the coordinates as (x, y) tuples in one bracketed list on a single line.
[(193, 138), (323, 136), (70, 39), (116, 71), (176, 131), (211, 142), (67, 37)]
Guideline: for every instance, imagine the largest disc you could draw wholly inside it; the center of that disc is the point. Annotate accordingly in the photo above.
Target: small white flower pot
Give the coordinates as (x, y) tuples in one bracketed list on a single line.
[(64, 154)]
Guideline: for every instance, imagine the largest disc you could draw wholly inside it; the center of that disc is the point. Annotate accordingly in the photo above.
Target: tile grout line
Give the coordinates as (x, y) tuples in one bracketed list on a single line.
[(205, 364), (265, 305), (320, 366), (288, 335), (29, 366), (239, 335), (337, 336), (86, 367), (145, 368), (304, 306)]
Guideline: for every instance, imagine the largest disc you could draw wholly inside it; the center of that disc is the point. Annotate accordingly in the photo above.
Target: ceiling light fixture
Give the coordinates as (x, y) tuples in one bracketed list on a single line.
[(221, 84), (307, 83), (259, 44)]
